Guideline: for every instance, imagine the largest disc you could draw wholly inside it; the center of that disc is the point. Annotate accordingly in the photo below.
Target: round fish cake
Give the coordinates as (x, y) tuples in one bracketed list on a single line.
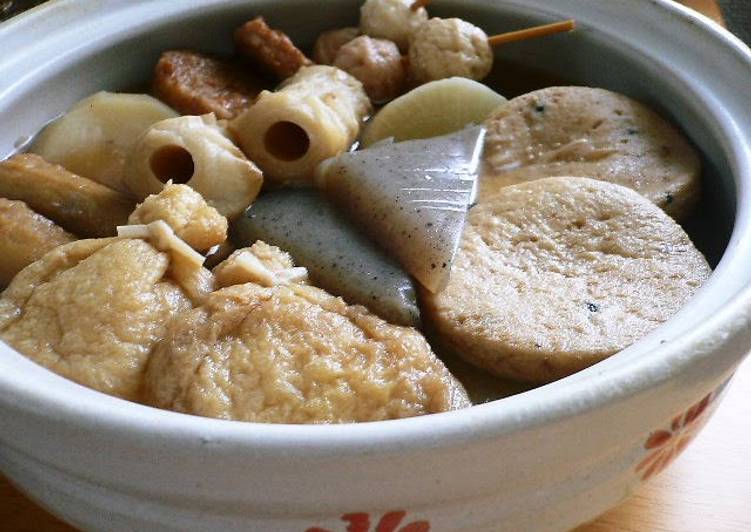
[(557, 274), (586, 132), (295, 354)]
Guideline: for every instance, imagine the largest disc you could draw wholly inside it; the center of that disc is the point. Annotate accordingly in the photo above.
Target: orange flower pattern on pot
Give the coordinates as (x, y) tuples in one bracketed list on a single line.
[(389, 522), (666, 444)]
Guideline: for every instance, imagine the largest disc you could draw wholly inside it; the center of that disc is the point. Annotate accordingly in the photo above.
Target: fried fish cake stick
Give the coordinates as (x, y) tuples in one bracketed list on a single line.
[(25, 237), (77, 204), (269, 49), (197, 84)]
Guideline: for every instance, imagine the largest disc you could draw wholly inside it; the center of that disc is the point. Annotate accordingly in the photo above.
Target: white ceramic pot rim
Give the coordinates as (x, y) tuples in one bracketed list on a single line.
[(87, 409)]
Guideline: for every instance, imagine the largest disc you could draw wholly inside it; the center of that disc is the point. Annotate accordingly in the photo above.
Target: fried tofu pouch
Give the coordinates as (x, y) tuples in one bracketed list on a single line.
[(293, 353), (93, 310)]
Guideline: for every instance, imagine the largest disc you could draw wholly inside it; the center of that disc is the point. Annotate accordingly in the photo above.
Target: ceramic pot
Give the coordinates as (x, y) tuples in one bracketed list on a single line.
[(547, 459)]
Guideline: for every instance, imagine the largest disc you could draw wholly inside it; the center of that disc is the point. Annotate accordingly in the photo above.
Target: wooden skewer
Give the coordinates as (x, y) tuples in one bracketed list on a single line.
[(532, 33), (418, 4)]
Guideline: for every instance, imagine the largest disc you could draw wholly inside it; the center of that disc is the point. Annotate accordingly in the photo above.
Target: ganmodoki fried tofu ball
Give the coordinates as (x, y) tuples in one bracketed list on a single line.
[(328, 44), (442, 48), (187, 213), (378, 65), (392, 20)]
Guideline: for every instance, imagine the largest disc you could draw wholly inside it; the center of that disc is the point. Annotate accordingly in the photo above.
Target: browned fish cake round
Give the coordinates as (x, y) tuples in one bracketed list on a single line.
[(557, 274), (586, 132), (295, 354)]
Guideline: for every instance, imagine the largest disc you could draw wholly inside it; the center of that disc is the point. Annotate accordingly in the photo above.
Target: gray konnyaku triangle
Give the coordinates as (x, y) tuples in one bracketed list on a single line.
[(411, 197)]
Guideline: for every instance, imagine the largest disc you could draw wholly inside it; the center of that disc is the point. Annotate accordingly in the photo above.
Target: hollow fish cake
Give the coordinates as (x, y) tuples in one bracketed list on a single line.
[(295, 354), (587, 132), (557, 274)]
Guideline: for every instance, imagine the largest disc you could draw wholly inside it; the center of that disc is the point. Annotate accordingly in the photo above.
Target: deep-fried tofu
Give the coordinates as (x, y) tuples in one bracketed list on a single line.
[(25, 237), (197, 84), (77, 204), (261, 264), (187, 213), (292, 353), (92, 311), (271, 50)]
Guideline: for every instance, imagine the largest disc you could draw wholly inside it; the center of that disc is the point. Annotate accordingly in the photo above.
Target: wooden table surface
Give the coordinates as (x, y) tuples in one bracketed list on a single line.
[(707, 489)]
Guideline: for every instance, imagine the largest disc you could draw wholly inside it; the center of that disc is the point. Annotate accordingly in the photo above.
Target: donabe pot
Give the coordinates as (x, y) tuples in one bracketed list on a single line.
[(547, 459)]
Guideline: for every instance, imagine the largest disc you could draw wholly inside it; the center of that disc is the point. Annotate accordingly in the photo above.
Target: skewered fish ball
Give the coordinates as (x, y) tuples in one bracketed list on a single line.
[(378, 65), (391, 19), (329, 42), (442, 48)]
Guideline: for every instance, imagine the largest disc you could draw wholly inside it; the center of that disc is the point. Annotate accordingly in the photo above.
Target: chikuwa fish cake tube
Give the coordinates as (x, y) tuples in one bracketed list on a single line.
[(315, 115)]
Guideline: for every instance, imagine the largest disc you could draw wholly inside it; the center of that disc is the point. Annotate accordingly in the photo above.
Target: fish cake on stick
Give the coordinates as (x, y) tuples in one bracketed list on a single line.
[(394, 20)]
